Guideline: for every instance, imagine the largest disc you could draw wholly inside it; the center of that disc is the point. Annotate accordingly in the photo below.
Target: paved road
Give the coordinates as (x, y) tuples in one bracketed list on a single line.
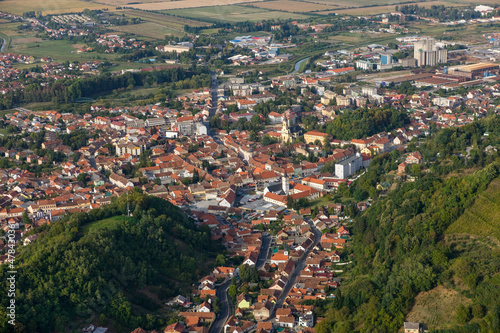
[(264, 251), (299, 266), (226, 305), (226, 308)]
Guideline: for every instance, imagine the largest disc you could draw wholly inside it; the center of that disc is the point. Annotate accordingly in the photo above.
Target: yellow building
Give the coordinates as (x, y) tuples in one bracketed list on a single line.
[(311, 136)]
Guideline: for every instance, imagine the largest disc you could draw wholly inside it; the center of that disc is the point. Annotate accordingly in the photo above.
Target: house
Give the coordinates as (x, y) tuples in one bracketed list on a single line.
[(243, 301), (414, 158), (204, 307), (30, 239), (306, 320), (411, 327), (402, 167), (174, 328), (200, 317), (286, 321), (223, 272), (251, 259), (262, 310)]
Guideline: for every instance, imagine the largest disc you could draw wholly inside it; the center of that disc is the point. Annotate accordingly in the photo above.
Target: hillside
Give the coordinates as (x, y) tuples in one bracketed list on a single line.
[(483, 217), (425, 252), (107, 268)]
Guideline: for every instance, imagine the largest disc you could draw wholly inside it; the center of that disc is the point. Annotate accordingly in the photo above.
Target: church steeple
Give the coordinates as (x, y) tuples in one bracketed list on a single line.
[(285, 183), (285, 131)]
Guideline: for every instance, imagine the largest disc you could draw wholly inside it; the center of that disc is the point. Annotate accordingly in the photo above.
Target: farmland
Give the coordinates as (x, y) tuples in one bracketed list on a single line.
[(176, 23), (149, 30), (293, 6), (482, 219), (48, 6), (165, 5), (234, 13)]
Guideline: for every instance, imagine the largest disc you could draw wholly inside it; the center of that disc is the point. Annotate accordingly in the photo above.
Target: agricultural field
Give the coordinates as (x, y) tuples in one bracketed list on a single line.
[(149, 30), (165, 5), (483, 217), (294, 6), (234, 13), (176, 23), (374, 9), (49, 6)]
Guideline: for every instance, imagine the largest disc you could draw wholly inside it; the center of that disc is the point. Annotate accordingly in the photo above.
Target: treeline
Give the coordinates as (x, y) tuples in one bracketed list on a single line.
[(72, 272), (441, 12), (364, 122), (399, 248), (68, 90)]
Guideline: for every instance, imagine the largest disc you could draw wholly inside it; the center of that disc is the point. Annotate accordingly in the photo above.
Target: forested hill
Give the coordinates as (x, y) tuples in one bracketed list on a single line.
[(423, 253), (108, 267)]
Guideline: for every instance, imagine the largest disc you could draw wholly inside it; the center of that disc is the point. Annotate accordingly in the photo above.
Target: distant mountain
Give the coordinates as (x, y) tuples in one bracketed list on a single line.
[(108, 267)]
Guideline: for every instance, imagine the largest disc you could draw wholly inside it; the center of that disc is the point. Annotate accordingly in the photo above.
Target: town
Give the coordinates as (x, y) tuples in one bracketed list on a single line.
[(268, 161)]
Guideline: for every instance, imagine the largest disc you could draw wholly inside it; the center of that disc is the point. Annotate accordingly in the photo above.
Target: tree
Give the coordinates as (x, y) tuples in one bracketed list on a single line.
[(220, 260), (26, 218), (477, 311), (462, 314), (196, 176), (232, 291), (82, 178)]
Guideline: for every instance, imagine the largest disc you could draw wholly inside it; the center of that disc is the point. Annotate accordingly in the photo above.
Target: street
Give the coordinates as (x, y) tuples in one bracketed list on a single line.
[(299, 266), (226, 305)]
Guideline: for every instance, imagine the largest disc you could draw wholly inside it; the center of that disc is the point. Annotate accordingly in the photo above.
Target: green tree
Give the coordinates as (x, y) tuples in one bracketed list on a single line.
[(220, 260), (26, 218), (462, 314)]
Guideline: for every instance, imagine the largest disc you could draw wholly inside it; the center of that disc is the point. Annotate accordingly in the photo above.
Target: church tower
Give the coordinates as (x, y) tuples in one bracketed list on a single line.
[(285, 131), (285, 184)]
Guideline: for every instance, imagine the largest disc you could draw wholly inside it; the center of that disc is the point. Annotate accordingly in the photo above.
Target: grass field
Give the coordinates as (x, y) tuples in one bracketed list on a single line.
[(436, 307), (165, 5), (483, 217), (234, 13), (169, 21), (149, 30), (48, 6), (375, 9), (293, 6), (112, 223)]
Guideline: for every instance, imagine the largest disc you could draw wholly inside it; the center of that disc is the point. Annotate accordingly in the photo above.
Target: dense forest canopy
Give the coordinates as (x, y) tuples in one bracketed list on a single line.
[(400, 248), (364, 122), (76, 270), (67, 90)]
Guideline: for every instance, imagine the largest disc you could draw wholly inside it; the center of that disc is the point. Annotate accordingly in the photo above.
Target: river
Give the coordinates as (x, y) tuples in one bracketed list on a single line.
[(297, 65)]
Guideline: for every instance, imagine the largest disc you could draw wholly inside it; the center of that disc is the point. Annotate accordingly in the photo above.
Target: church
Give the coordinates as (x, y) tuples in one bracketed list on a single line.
[(289, 134), (277, 193)]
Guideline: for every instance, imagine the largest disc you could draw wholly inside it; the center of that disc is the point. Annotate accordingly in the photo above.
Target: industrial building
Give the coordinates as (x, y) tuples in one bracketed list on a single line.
[(426, 53), (474, 70)]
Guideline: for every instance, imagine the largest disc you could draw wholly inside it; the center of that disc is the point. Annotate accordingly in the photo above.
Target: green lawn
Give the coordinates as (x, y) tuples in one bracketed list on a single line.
[(112, 223)]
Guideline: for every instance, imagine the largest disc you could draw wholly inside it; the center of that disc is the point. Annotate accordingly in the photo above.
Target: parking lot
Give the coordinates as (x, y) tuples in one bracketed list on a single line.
[(261, 206)]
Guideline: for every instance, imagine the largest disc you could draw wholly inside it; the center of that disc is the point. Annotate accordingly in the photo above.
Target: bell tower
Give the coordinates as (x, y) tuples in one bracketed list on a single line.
[(285, 185), (285, 131)]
